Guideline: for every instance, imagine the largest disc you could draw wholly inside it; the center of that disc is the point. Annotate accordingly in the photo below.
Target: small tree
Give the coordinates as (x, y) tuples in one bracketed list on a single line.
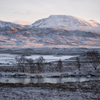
[(60, 66), (78, 65), (40, 64), (21, 63), (94, 58), (31, 64)]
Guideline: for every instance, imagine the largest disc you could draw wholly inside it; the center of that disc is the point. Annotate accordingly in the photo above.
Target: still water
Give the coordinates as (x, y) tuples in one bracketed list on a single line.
[(10, 58), (46, 80)]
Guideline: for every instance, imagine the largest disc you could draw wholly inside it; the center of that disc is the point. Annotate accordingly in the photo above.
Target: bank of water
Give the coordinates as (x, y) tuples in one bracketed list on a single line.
[(46, 80), (10, 58)]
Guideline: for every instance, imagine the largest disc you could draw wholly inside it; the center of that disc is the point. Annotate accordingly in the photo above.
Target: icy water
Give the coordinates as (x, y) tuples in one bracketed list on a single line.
[(46, 80), (10, 58)]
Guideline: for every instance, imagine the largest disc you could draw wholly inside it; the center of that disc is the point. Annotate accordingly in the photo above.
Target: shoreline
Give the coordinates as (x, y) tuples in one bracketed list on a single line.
[(49, 75)]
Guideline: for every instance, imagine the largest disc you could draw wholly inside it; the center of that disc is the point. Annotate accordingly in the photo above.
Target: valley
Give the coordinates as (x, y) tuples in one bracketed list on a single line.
[(54, 58)]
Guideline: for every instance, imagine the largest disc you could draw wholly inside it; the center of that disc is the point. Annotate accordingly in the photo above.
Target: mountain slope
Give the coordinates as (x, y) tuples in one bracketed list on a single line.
[(10, 24), (67, 22), (47, 37), (58, 31)]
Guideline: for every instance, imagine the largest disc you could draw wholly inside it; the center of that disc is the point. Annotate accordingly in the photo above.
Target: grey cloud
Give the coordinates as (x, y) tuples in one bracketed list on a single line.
[(18, 12), (23, 13), (28, 12)]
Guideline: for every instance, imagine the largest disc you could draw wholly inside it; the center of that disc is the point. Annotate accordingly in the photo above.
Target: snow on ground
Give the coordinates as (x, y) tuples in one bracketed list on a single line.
[(75, 73), (42, 75), (67, 91), (48, 75), (31, 93)]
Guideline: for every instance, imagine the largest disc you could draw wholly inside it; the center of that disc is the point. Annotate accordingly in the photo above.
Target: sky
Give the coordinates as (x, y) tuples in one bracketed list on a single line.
[(28, 11)]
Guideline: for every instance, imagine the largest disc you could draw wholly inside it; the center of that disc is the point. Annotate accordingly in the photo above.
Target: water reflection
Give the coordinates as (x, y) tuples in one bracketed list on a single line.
[(46, 80)]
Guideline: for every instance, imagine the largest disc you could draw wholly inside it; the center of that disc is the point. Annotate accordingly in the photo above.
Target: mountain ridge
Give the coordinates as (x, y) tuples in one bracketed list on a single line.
[(67, 22)]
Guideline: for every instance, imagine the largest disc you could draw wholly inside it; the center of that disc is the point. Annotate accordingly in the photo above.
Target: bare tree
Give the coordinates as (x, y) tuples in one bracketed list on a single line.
[(40, 64), (31, 64), (51, 66), (21, 63), (59, 65), (78, 65), (93, 58)]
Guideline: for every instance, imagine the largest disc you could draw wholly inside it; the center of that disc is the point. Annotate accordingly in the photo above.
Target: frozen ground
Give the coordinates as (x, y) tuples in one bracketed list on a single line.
[(51, 74), (67, 91)]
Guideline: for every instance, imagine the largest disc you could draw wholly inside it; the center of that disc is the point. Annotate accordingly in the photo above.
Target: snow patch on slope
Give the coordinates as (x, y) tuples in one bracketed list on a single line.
[(10, 24), (93, 21)]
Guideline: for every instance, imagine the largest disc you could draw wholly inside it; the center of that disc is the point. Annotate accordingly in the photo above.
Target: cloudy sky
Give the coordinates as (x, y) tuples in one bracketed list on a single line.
[(32, 10)]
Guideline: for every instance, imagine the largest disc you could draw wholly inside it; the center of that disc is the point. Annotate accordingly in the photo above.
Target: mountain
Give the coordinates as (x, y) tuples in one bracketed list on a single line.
[(56, 31), (4, 24), (95, 22), (47, 37), (67, 22)]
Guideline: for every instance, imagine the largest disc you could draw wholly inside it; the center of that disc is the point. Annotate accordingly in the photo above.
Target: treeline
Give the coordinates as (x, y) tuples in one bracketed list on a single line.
[(38, 65), (91, 57)]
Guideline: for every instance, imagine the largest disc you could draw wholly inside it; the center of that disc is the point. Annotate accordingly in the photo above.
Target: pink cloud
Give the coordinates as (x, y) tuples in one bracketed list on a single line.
[(22, 22)]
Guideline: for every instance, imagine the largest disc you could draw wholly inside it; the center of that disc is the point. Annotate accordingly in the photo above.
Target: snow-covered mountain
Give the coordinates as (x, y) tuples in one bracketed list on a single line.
[(58, 31), (67, 22)]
